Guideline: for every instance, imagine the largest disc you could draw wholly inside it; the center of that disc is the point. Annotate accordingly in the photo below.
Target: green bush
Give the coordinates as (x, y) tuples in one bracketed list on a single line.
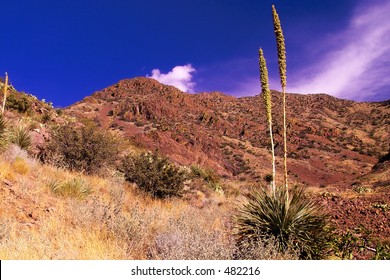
[(297, 225), (18, 103), (207, 175), (154, 175), (83, 148)]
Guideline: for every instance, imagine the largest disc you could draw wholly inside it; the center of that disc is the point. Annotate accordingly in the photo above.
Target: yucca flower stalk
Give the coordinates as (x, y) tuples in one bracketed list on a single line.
[(5, 92), (268, 107), (283, 81)]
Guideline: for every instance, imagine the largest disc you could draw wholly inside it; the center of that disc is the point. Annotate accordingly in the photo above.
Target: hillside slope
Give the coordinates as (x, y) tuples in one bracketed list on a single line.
[(332, 142)]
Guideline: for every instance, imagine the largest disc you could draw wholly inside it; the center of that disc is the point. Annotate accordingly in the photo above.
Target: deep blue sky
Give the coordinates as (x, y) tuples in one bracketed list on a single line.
[(63, 51)]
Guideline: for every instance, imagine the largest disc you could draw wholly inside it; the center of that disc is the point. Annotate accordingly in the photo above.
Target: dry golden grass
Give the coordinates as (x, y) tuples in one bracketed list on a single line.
[(114, 221), (7, 171), (20, 166)]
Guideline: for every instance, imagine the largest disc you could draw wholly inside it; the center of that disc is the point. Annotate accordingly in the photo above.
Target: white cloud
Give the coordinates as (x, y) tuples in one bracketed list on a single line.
[(359, 64), (179, 76)]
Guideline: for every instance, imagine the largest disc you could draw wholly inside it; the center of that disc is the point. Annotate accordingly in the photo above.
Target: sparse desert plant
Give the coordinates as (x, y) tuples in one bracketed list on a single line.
[(362, 189), (20, 103), (347, 245), (82, 148), (21, 137), (6, 171), (75, 187), (153, 174), (5, 92), (263, 250), (194, 234), (268, 108), (281, 47), (3, 136), (21, 166), (268, 178), (297, 224), (383, 206), (208, 175), (294, 221)]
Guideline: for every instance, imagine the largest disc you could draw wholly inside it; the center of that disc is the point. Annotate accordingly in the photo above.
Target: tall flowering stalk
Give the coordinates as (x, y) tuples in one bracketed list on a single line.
[(268, 107), (5, 92), (283, 81)]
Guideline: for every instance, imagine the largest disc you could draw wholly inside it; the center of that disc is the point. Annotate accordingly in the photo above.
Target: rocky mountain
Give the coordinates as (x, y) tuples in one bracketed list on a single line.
[(331, 142)]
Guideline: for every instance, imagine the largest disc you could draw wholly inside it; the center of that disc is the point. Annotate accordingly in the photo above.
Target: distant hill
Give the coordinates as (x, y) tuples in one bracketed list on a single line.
[(332, 142)]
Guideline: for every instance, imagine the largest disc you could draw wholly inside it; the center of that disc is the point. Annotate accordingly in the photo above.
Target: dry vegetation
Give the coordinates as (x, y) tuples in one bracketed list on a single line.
[(113, 220)]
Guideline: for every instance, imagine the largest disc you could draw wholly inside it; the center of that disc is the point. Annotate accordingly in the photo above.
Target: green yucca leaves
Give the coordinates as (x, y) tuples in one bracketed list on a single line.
[(20, 136), (75, 187), (297, 224)]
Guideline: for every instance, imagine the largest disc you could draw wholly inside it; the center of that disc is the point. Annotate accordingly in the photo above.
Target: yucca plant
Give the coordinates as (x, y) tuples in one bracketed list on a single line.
[(20, 136), (281, 47), (3, 137), (293, 220), (297, 224), (75, 187), (268, 107), (5, 92)]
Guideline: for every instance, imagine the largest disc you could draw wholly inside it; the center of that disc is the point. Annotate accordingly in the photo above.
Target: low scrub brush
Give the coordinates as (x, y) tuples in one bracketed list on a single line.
[(154, 175)]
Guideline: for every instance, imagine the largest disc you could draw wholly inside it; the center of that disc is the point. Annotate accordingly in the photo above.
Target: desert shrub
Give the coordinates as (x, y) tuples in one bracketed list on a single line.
[(263, 250), (20, 136), (356, 242), (385, 157), (18, 103), (153, 174), (82, 148), (75, 187), (193, 236), (297, 224), (268, 178), (208, 175), (362, 189)]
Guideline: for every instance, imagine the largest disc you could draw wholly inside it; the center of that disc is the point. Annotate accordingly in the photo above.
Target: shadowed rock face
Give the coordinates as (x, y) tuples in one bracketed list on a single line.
[(331, 141)]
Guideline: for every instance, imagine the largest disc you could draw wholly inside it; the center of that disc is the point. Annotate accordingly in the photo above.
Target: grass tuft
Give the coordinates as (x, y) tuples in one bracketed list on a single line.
[(75, 187)]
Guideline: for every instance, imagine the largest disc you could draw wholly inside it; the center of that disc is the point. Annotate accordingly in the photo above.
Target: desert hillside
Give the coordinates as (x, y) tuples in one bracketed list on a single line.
[(69, 187), (332, 142)]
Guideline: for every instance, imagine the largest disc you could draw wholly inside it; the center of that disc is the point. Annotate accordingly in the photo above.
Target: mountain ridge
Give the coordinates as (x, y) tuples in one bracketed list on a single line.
[(228, 134)]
